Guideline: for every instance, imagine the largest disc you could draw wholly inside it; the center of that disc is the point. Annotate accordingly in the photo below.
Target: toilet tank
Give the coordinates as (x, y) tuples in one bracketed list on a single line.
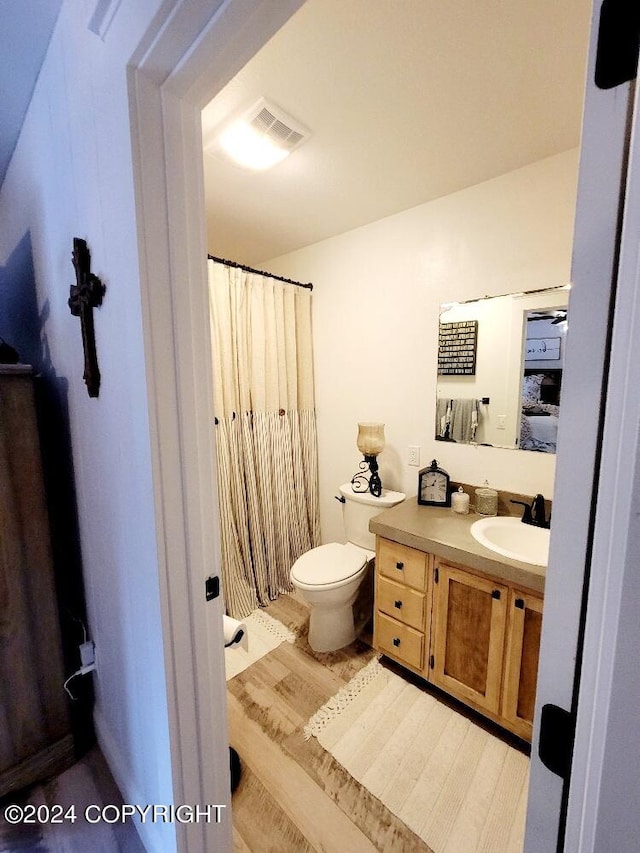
[(359, 507)]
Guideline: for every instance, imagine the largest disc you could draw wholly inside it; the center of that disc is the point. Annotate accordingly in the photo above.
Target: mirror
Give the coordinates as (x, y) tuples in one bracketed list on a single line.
[(500, 370)]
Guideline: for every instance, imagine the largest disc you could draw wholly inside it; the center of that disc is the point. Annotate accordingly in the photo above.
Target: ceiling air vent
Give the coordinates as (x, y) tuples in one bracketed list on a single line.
[(276, 127), (258, 138)]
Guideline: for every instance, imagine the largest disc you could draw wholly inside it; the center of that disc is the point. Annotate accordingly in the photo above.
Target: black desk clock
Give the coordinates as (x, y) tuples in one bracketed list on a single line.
[(433, 486)]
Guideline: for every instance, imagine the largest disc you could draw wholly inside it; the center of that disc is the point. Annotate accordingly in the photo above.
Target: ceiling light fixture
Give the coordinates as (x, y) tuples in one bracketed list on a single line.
[(262, 137), (249, 148)]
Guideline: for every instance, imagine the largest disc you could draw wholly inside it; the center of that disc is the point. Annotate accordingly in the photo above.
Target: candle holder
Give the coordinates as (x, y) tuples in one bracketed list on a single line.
[(370, 444)]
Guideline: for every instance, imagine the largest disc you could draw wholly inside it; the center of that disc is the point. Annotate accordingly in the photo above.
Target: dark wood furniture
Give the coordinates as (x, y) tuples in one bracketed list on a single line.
[(35, 736)]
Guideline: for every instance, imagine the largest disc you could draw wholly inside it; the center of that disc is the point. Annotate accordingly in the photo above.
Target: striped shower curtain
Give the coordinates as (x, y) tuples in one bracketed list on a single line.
[(266, 441)]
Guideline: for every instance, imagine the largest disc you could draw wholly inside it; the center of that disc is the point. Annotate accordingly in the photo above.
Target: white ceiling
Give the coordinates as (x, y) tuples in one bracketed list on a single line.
[(25, 31), (407, 100)]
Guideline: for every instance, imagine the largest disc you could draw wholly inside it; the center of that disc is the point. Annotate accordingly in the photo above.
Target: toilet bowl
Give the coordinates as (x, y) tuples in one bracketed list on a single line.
[(328, 577)]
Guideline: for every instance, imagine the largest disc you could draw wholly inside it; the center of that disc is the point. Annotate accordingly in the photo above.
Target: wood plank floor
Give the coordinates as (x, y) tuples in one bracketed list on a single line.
[(293, 795)]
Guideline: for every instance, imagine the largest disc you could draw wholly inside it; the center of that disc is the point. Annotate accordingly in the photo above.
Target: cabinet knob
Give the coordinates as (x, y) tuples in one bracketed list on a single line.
[(400, 566), (397, 604), (396, 641)]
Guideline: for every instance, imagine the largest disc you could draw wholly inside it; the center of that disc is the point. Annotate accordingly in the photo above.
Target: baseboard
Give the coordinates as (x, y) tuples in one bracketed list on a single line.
[(156, 837)]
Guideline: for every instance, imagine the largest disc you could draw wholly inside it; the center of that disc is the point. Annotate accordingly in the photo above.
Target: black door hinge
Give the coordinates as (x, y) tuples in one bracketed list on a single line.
[(618, 42), (212, 587), (557, 732), (432, 662), (436, 575)]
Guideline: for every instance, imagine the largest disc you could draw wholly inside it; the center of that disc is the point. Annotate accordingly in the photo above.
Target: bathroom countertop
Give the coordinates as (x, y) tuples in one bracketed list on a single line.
[(447, 534)]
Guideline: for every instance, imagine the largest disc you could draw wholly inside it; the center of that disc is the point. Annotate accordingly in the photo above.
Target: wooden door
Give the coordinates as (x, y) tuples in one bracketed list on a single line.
[(468, 640), (521, 661)]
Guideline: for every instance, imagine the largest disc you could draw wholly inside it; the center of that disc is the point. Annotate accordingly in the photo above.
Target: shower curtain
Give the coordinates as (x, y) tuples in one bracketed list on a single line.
[(266, 442)]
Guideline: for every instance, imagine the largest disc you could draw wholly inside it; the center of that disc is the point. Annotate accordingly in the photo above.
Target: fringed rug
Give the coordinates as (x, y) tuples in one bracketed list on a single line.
[(264, 633), (455, 785)]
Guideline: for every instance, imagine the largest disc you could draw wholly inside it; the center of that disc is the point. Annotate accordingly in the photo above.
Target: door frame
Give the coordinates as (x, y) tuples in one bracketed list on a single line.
[(578, 485), (608, 692), (189, 53)]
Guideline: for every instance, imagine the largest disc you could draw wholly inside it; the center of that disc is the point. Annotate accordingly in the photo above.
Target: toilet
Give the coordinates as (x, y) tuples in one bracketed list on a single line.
[(328, 576)]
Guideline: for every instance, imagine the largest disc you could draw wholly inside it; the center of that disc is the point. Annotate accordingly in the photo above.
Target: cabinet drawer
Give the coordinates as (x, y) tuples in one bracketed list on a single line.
[(402, 564), (402, 603), (400, 641)]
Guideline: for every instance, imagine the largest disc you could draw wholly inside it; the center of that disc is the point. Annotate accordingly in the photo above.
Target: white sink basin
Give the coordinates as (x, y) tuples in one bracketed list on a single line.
[(508, 536)]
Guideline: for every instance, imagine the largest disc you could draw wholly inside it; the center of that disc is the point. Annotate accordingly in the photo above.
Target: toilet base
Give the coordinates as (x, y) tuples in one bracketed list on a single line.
[(331, 628)]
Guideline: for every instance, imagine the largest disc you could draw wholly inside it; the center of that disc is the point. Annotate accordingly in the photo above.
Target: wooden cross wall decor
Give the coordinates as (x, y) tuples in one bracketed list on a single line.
[(85, 295)]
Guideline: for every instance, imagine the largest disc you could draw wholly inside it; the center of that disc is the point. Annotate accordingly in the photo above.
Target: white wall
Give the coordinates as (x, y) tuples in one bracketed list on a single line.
[(377, 291), (71, 175)]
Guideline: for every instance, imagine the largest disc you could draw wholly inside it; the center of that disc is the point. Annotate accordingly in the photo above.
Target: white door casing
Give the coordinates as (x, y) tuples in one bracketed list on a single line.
[(188, 55)]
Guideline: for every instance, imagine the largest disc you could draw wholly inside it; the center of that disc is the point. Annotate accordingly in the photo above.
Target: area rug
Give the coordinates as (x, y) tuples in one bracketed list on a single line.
[(454, 784), (264, 633)]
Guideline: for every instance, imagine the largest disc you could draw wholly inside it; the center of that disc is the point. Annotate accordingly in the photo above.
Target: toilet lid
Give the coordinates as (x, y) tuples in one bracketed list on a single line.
[(328, 564)]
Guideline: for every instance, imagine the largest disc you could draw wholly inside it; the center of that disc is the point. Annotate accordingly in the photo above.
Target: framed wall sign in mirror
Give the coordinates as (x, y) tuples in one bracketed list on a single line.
[(512, 399)]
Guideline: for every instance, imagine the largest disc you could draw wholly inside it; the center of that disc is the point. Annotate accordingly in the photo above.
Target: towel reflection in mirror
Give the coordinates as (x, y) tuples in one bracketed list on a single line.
[(457, 419)]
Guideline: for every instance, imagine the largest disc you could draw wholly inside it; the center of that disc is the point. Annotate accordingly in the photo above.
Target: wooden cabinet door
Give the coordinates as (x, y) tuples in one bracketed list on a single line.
[(468, 639), (35, 739), (521, 661)]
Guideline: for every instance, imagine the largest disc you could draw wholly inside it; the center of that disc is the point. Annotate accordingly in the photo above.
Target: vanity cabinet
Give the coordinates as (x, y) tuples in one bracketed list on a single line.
[(473, 636), (469, 619)]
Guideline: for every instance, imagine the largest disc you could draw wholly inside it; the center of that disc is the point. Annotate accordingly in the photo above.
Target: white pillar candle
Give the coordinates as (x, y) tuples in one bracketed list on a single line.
[(460, 501)]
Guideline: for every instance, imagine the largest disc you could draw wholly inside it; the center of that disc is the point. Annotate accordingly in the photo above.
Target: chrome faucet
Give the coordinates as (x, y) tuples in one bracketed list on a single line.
[(535, 512)]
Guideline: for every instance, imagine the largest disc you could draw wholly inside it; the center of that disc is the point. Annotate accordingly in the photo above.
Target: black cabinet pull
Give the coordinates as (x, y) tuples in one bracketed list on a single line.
[(396, 641), (519, 602), (496, 594), (400, 566), (397, 604)]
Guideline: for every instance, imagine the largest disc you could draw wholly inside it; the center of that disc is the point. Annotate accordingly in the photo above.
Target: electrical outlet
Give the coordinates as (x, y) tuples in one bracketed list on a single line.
[(502, 422), (414, 456)]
